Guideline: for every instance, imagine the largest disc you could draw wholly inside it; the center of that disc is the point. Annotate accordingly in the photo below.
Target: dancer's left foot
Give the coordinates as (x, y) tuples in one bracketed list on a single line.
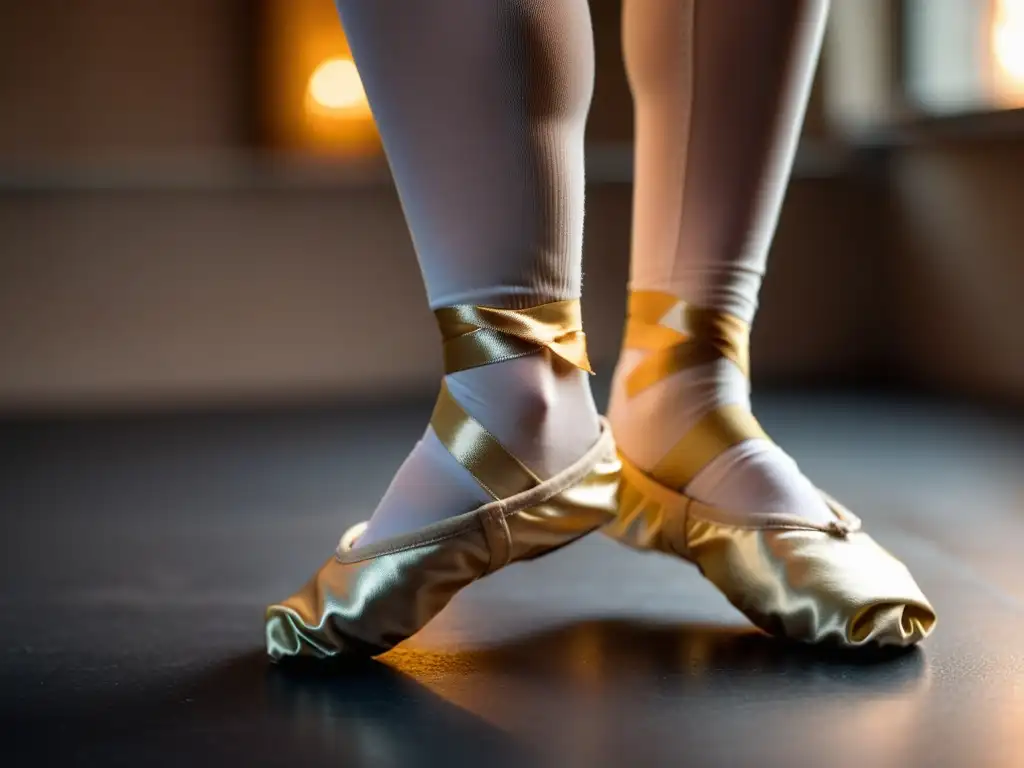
[(724, 497)]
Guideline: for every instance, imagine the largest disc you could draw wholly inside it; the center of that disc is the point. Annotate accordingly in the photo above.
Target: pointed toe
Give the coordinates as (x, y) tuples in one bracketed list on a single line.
[(282, 635), (823, 584), (891, 624), (364, 600)]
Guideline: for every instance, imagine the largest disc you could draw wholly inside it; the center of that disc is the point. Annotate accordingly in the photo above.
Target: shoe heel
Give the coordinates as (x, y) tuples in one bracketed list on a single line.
[(648, 513)]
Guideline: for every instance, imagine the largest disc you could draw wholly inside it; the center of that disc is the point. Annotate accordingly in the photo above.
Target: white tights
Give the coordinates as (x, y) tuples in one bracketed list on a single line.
[(481, 105)]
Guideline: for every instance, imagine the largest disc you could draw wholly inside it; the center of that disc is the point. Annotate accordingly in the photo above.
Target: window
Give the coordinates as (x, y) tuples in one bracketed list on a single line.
[(963, 55)]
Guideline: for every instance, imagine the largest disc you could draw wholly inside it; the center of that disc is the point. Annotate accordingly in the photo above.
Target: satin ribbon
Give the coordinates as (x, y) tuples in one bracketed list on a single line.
[(475, 336), (715, 433), (496, 470), (679, 336)]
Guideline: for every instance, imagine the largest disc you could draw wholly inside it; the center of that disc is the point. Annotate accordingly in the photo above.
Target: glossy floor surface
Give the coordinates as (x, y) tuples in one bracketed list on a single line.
[(138, 554)]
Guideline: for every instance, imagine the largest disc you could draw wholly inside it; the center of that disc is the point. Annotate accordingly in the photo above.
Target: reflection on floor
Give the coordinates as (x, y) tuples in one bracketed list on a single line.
[(140, 552)]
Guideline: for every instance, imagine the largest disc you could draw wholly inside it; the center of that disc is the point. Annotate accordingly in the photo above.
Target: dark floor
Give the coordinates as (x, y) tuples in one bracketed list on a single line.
[(138, 555)]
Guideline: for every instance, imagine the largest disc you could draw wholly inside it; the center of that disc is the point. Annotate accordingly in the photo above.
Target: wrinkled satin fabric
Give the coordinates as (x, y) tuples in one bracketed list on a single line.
[(830, 585), (365, 601)]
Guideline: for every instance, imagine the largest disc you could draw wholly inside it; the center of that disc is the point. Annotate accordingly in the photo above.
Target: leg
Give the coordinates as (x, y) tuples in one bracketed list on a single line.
[(481, 105), (720, 88)]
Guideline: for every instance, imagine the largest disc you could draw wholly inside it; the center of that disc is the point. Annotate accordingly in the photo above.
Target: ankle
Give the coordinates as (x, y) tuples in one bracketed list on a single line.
[(696, 390), (648, 423), (542, 413)]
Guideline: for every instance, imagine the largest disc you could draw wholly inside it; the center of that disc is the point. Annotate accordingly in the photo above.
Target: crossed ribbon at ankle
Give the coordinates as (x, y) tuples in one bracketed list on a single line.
[(679, 336), (475, 336)]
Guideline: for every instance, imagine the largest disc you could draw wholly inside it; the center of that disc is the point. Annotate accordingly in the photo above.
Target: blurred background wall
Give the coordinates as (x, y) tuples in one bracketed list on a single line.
[(194, 209)]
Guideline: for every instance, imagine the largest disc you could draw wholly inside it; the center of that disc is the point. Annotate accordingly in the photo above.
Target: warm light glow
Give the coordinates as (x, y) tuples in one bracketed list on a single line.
[(311, 95), (335, 86), (1008, 39)]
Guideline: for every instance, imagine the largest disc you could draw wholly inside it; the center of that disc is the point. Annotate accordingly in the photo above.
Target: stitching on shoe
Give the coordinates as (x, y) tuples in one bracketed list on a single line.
[(339, 556), (499, 539), (768, 526)]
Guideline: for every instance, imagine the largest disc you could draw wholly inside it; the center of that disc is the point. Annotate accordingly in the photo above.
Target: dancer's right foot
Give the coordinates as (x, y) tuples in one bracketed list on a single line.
[(541, 410), (375, 593)]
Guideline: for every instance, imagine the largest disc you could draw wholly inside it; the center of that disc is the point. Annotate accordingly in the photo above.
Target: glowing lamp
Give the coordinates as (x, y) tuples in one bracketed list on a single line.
[(311, 97), (335, 87)]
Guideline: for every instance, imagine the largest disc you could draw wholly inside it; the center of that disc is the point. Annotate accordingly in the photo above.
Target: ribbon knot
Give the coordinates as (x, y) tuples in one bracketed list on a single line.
[(839, 529), (475, 336)]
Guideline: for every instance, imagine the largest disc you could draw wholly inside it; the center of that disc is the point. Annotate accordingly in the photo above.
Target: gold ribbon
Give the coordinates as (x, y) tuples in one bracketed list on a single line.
[(679, 336), (475, 336), (499, 472), (716, 432)]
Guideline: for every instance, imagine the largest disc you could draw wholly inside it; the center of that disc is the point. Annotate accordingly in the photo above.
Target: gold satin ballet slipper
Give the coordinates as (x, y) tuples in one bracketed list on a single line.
[(829, 584), (365, 600)]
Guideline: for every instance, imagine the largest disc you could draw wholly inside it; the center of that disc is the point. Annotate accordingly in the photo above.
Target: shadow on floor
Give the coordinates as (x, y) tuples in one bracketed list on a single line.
[(388, 713)]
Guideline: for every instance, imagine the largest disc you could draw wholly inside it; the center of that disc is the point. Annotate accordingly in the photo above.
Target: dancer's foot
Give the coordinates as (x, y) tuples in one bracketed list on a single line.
[(542, 411), (650, 416), (376, 592), (702, 480)]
